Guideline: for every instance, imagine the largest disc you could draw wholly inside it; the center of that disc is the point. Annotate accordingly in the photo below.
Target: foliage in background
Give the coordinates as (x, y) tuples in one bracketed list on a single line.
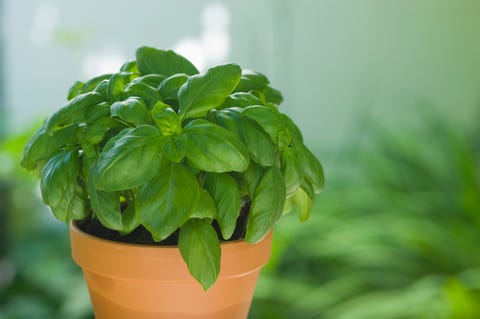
[(396, 234)]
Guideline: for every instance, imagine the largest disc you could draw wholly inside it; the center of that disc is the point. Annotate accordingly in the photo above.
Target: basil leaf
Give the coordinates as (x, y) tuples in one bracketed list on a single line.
[(117, 84), (166, 119), (226, 195), (271, 121), (59, 186), (169, 87), (96, 112), (42, 147), (214, 149), (152, 80), (128, 160), (272, 95), (203, 92), (91, 84), (295, 133), (240, 99), (267, 205), (132, 110), (200, 248), (105, 205), (130, 66), (75, 90), (260, 145), (251, 80), (151, 60), (252, 177), (302, 203), (72, 111), (95, 132), (167, 201), (205, 207), (130, 220), (174, 147), (146, 92), (311, 168), (291, 171)]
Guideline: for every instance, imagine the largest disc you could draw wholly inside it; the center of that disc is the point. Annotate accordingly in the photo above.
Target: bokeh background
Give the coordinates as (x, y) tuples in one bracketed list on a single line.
[(387, 94)]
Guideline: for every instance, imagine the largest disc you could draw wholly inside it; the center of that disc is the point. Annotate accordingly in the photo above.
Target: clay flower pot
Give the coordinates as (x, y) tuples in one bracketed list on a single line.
[(128, 281)]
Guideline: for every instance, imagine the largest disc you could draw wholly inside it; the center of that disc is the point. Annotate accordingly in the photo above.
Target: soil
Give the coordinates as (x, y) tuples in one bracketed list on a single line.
[(141, 236)]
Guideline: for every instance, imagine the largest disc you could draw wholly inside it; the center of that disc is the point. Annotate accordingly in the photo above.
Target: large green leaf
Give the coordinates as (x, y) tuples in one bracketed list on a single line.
[(291, 171), (105, 205), (147, 93), (169, 87), (42, 147), (262, 150), (129, 159), (271, 121), (167, 201), (267, 205), (132, 110), (59, 186), (166, 119), (205, 207), (302, 203), (200, 248), (73, 111), (226, 195), (204, 92), (214, 149), (174, 147), (164, 62), (311, 168), (251, 80), (240, 99)]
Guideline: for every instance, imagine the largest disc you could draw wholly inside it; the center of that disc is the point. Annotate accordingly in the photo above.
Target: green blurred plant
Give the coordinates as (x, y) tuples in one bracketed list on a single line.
[(395, 236), (37, 277)]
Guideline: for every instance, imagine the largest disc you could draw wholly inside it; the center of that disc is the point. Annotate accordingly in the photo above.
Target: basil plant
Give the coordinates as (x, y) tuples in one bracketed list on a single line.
[(161, 146)]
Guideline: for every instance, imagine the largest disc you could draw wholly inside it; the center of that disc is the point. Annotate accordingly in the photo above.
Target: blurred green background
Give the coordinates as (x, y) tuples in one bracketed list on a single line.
[(387, 94)]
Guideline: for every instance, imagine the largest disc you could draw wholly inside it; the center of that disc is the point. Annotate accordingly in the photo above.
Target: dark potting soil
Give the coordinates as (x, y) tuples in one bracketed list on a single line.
[(141, 235)]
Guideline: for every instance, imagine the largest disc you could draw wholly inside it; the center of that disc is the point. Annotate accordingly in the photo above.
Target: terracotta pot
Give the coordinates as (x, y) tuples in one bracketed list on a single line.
[(127, 281)]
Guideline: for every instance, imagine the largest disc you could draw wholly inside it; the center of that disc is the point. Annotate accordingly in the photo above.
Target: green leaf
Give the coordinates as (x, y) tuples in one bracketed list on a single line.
[(311, 168), (226, 195), (59, 186), (129, 159), (204, 92), (200, 248), (130, 66), (302, 203), (272, 95), (152, 80), (73, 111), (252, 177), (174, 147), (42, 147), (146, 92), (214, 149), (95, 132), (271, 121), (205, 207), (260, 145), (240, 99), (166, 119), (75, 90), (91, 84), (166, 202), (267, 205), (130, 220), (151, 60), (117, 84), (105, 205), (96, 112), (102, 88), (251, 80), (169, 87), (132, 110), (291, 171)]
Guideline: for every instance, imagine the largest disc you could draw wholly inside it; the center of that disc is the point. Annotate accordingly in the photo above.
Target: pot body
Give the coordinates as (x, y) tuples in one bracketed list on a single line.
[(128, 281)]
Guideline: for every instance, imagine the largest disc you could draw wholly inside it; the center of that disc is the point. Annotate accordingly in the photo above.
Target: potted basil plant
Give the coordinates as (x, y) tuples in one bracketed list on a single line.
[(171, 181)]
